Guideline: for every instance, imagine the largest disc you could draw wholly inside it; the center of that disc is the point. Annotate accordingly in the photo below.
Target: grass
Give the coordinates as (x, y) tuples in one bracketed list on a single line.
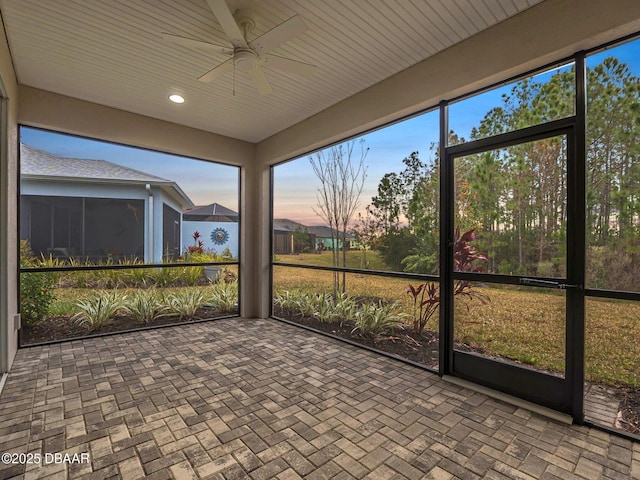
[(526, 326), (355, 259)]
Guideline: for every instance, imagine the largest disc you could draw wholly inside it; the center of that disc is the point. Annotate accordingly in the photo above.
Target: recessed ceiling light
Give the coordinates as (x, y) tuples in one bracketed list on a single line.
[(175, 98)]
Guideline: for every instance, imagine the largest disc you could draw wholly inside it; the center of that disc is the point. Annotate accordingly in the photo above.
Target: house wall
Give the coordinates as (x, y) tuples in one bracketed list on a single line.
[(153, 206), (59, 189), (8, 208), (205, 229), (159, 198)]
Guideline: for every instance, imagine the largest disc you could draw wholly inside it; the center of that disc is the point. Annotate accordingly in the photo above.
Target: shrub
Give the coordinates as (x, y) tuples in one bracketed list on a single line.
[(198, 245), (426, 298), (98, 310), (545, 269), (346, 307), (186, 302), (80, 278), (377, 320), (36, 295), (324, 308), (163, 277), (295, 302), (425, 304), (36, 289), (191, 276), (224, 296), (146, 305)]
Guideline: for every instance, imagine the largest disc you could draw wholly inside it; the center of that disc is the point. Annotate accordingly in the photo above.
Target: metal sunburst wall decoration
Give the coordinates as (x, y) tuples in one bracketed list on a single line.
[(219, 236)]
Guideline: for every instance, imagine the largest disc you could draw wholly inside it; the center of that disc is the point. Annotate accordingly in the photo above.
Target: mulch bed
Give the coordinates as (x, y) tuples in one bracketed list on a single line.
[(630, 410), (421, 349), (62, 328)]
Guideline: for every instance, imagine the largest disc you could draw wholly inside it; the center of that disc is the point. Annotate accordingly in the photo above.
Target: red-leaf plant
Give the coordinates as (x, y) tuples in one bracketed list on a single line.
[(198, 245), (426, 297)]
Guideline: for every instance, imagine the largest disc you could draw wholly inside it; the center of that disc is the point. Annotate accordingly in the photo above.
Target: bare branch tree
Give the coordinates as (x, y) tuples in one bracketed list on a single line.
[(341, 183)]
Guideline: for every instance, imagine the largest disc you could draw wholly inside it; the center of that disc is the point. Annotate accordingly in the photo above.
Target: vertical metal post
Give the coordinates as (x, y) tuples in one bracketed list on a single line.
[(150, 226), (271, 237), (83, 228), (446, 253), (576, 243)]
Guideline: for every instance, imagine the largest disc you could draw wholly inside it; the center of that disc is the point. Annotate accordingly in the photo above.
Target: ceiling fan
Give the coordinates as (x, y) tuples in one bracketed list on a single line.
[(246, 56)]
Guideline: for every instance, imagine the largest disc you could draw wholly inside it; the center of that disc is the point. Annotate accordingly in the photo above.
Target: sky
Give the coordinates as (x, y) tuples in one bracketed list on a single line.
[(295, 184), (204, 182)]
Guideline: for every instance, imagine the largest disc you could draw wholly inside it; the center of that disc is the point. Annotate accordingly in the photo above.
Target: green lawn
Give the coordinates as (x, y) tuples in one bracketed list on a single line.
[(525, 326), (369, 260)]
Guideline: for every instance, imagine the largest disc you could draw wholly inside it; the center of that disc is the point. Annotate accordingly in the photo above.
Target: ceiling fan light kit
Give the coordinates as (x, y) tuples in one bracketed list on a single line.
[(248, 57)]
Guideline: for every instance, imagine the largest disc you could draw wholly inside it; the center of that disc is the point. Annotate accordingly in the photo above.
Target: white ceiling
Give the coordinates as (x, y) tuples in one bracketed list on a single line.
[(111, 52)]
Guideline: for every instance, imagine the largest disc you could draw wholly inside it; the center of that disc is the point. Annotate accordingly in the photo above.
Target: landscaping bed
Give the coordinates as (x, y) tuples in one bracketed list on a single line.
[(57, 328), (422, 349)]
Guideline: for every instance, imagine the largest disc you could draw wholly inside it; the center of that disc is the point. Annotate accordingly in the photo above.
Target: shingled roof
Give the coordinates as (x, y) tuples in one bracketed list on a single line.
[(40, 165), (35, 162)]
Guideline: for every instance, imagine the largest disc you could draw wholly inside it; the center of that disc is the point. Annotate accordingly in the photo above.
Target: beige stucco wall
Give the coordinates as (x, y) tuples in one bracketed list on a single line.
[(39, 108), (8, 210)]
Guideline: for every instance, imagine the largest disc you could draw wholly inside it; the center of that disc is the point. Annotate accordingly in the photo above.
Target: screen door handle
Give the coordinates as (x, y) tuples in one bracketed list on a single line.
[(535, 282)]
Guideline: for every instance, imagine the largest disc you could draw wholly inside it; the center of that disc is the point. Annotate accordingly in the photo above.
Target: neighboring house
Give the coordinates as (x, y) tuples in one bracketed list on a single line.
[(97, 210), (217, 226), (288, 237), (324, 240), (286, 240)]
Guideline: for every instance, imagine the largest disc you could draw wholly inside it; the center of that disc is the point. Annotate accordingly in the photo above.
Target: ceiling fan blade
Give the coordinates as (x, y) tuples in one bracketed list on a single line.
[(218, 71), (278, 35), (290, 66), (260, 80), (192, 43), (227, 22)]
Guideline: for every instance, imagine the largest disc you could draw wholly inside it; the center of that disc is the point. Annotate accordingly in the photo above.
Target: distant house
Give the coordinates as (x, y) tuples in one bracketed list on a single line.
[(97, 210), (216, 224), (293, 237), (286, 239), (324, 240)]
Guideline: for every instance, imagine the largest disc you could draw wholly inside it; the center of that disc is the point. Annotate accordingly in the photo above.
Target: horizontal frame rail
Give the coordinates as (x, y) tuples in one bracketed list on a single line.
[(515, 137), (381, 273), (612, 294), (121, 267), (506, 279)]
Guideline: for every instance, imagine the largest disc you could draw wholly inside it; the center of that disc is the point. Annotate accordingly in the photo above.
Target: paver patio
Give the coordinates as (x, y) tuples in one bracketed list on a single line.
[(259, 399)]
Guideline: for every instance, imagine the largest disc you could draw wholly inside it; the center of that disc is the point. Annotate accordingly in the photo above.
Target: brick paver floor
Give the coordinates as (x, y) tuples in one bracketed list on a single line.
[(257, 399)]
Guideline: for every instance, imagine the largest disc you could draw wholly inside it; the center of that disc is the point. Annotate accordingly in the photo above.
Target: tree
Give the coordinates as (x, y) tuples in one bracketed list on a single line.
[(516, 197), (386, 205), (366, 232), (301, 240), (341, 182)]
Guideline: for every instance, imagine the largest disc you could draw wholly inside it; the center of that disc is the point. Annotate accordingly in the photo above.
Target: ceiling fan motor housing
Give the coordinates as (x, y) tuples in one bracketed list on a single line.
[(245, 59)]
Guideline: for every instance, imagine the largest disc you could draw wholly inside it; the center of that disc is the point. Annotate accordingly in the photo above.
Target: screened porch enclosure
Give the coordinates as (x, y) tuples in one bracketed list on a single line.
[(85, 229)]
